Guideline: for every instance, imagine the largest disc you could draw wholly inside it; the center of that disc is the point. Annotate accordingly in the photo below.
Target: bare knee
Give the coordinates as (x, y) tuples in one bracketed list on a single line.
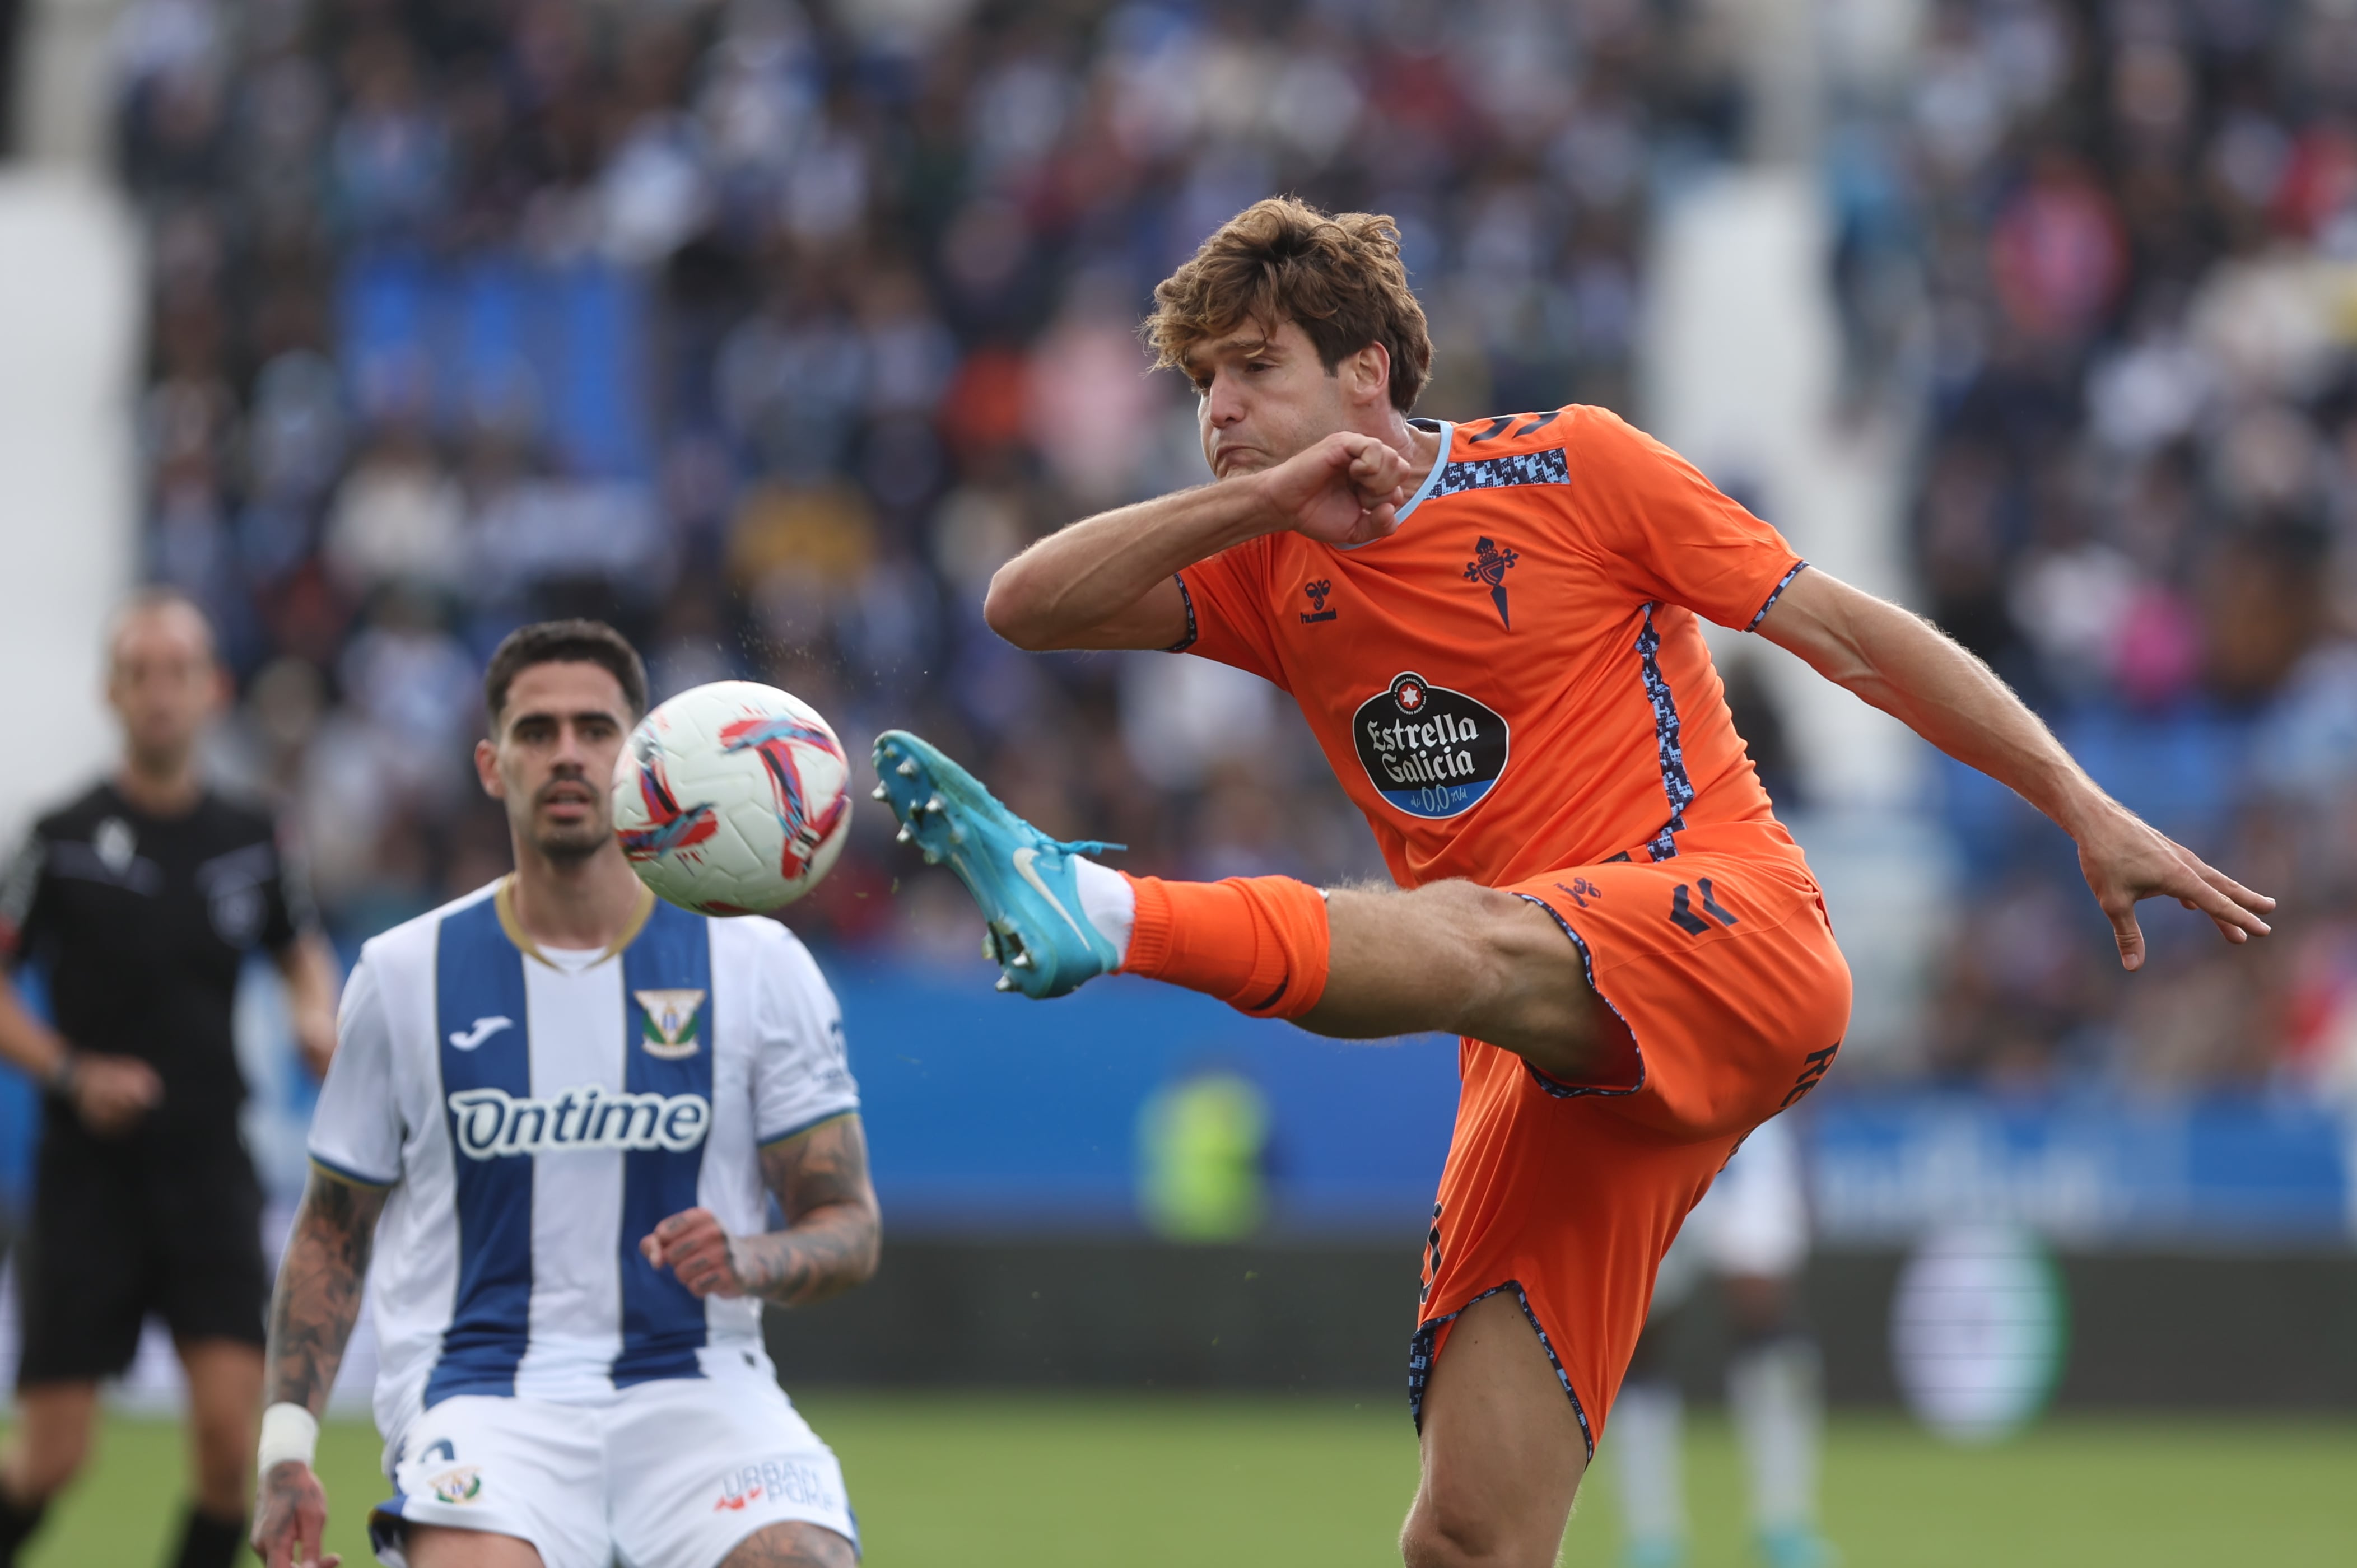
[(33, 1476), (1525, 987), (1503, 1448), (1441, 1535), (1456, 957), (50, 1444), (1454, 1525)]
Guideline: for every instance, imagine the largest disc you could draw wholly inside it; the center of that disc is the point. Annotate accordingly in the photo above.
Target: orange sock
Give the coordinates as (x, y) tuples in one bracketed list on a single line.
[(1258, 943)]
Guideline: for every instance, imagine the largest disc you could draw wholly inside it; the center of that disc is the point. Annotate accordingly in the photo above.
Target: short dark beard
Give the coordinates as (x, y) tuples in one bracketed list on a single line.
[(566, 850), (559, 846)]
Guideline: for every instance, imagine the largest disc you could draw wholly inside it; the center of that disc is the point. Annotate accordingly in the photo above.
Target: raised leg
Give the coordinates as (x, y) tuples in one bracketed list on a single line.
[(1457, 959), (1504, 1451), (1358, 963)]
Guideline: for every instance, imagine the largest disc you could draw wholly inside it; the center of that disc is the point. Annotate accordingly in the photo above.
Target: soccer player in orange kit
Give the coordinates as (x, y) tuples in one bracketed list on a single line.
[(1494, 631)]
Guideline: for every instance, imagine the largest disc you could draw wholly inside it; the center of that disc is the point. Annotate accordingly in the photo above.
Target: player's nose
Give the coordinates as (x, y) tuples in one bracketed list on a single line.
[(1224, 405)]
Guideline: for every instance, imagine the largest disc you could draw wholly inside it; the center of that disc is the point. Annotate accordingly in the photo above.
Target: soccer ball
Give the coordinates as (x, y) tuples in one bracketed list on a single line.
[(732, 798)]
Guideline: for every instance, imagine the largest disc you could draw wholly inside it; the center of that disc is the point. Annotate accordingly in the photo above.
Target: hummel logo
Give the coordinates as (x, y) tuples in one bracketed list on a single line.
[(483, 1030), (1490, 563), (1318, 591)]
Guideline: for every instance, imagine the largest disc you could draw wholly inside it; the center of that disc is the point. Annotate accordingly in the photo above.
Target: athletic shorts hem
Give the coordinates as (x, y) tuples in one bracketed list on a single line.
[(1548, 1081), (1424, 1348), (815, 1518), (389, 1521), (671, 1473), (29, 1376), (388, 1525)]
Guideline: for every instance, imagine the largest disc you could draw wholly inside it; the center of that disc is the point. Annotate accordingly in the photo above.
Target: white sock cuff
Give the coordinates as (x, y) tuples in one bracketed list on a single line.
[(1109, 902)]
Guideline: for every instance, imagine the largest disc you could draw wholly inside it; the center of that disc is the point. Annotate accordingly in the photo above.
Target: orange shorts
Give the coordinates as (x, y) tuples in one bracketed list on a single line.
[(1723, 968)]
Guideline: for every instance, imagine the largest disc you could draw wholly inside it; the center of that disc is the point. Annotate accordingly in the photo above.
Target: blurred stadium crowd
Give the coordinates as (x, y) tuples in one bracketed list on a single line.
[(876, 270), (2135, 226)]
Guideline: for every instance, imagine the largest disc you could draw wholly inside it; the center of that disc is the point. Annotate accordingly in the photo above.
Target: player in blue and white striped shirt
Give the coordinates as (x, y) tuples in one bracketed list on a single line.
[(557, 1110)]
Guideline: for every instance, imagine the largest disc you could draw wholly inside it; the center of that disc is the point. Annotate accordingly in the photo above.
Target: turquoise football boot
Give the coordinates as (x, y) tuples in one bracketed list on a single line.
[(1654, 1552), (1796, 1546), (1035, 929)]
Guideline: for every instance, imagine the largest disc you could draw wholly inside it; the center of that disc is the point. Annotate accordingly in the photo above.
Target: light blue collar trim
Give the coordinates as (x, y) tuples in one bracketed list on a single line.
[(1431, 480)]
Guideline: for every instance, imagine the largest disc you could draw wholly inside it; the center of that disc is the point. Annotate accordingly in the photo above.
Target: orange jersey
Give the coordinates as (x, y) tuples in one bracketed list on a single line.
[(1515, 680)]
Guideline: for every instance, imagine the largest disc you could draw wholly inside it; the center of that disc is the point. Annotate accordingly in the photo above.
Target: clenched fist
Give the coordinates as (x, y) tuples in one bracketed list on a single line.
[(691, 1245)]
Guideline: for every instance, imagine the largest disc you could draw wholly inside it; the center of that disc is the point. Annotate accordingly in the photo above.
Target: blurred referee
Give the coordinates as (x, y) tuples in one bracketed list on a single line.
[(141, 900)]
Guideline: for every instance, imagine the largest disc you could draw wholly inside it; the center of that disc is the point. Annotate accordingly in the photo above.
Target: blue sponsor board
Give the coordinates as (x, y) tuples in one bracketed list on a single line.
[(2229, 1171), (987, 1112)]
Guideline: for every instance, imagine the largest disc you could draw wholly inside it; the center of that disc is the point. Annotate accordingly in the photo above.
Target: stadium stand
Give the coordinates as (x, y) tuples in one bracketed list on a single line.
[(2132, 226)]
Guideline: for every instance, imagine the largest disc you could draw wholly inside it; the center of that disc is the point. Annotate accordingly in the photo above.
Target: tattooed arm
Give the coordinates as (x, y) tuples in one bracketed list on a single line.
[(311, 1316), (833, 1235)]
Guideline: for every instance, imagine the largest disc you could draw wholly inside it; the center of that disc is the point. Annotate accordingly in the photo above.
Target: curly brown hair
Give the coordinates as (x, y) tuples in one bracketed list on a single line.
[(1338, 275)]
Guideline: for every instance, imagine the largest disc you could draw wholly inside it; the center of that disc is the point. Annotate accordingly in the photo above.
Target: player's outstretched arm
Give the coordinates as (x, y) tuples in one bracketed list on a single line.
[(1105, 581), (834, 1231), (1902, 664), (311, 1317)]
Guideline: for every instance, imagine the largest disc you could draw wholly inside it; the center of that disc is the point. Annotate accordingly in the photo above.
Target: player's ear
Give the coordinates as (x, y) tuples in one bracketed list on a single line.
[(1371, 374), (486, 770)]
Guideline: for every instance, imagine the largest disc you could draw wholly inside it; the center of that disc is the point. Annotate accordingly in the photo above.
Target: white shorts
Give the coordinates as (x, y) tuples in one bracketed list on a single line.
[(1753, 1221), (673, 1473)]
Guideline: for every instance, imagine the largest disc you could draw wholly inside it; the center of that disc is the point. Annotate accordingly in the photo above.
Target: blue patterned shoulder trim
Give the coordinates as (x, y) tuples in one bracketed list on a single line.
[(1547, 468)]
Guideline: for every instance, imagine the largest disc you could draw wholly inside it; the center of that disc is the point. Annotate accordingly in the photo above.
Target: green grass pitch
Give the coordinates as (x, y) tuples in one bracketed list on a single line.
[(977, 1481)]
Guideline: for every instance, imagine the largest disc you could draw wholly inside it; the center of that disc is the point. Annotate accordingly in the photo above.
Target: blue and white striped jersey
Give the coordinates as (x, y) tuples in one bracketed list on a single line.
[(534, 1114)]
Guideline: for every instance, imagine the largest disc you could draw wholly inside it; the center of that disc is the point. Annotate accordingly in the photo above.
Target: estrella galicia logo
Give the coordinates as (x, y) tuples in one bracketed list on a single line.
[(1318, 591), (1430, 751), (1490, 565)]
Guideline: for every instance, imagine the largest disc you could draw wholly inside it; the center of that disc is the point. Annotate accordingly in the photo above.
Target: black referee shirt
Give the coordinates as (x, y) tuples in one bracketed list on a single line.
[(142, 924)]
